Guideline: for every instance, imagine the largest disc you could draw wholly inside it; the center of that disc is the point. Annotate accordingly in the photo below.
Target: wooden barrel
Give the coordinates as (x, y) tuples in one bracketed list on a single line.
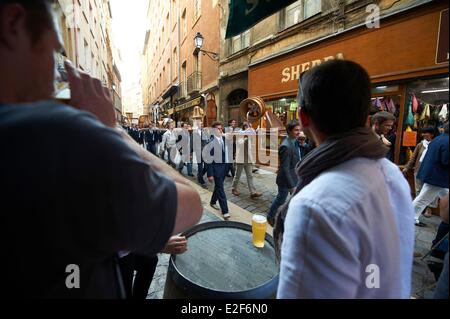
[(222, 263)]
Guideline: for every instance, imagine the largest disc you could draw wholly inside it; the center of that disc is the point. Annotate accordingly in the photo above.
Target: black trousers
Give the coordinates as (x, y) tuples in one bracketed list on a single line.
[(152, 149), (219, 195), (145, 269)]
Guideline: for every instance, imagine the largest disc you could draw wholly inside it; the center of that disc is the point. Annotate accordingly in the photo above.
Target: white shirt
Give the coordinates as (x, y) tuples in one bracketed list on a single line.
[(169, 139), (357, 214)]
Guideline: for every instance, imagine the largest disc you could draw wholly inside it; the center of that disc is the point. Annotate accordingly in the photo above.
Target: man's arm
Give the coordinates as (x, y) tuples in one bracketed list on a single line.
[(88, 94), (444, 154), (284, 165), (412, 160)]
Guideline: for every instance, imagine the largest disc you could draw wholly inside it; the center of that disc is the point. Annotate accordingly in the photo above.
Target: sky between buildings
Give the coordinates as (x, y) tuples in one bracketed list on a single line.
[(129, 28)]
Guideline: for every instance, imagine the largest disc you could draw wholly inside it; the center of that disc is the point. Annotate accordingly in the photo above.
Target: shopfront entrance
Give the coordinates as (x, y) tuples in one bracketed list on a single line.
[(404, 58)]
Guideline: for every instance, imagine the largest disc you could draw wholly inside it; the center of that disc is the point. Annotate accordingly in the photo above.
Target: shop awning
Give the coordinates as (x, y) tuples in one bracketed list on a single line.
[(245, 14), (171, 91)]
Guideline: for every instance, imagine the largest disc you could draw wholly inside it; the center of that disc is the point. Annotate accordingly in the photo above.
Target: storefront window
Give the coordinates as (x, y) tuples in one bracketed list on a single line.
[(426, 107), (285, 109)]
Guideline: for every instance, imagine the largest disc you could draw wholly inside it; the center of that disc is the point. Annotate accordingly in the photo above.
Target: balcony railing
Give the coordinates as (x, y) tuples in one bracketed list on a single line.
[(182, 91), (194, 82)]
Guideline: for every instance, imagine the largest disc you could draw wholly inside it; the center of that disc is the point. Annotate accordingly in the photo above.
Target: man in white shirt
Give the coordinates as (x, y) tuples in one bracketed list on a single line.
[(348, 232)]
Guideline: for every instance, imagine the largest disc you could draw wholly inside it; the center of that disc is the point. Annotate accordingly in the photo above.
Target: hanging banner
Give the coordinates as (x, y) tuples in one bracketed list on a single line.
[(244, 14)]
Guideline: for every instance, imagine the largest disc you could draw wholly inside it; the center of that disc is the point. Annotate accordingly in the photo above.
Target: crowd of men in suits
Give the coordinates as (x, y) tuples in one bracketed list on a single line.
[(183, 147)]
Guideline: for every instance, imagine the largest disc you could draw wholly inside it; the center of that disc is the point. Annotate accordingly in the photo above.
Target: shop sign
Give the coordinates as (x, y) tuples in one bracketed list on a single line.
[(293, 73), (189, 104), (442, 45), (409, 138)]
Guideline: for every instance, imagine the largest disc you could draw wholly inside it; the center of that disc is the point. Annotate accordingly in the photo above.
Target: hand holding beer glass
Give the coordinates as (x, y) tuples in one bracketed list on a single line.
[(259, 226)]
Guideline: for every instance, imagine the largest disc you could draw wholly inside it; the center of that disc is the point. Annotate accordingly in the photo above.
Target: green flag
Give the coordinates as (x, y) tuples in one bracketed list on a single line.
[(244, 14)]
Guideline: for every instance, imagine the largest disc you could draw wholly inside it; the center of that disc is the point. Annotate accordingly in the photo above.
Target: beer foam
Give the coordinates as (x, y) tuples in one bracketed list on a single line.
[(259, 218)]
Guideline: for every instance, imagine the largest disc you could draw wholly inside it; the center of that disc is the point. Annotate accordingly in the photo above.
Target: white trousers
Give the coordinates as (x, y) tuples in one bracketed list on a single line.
[(428, 194)]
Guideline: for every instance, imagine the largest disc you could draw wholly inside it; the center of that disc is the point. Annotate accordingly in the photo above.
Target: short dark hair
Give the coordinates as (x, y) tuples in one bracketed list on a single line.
[(39, 17), (291, 125), (216, 124), (230, 121), (336, 95), (382, 117), (429, 130)]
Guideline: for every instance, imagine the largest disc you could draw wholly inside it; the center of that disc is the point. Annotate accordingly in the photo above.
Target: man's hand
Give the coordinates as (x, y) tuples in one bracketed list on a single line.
[(211, 179), (176, 245), (88, 94)]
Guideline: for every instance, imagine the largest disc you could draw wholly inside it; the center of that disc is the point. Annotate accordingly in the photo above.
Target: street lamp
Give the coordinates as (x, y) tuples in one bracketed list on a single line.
[(198, 40)]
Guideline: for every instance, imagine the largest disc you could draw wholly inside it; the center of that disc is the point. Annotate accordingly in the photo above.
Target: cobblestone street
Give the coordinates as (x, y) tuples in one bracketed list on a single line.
[(423, 279)]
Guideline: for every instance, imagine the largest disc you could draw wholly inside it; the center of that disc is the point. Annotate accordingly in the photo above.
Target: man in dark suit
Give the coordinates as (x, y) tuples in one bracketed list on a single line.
[(199, 141), (217, 169), (151, 138), (289, 154)]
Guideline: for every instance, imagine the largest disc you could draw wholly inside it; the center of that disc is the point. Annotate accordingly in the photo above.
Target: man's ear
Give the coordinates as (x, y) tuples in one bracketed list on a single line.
[(304, 118), (13, 25)]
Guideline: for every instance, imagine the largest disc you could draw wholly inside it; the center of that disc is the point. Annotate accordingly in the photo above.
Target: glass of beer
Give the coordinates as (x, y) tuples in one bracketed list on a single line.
[(259, 225)]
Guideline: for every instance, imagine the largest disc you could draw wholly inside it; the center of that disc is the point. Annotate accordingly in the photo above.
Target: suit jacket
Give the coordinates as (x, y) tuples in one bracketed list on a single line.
[(414, 160), (198, 143), (289, 157), (434, 167), (217, 170), (151, 136)]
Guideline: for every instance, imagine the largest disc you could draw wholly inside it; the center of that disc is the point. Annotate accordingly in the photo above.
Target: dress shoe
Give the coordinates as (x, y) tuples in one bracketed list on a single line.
[(235, 192), (255, 195), (214, 206)]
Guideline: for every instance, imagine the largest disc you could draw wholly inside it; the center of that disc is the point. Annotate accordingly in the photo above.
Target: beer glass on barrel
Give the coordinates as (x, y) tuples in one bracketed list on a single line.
[(259, 225)]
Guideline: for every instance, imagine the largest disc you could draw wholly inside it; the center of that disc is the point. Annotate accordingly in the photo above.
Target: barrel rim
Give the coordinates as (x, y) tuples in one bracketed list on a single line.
[(222, 224)]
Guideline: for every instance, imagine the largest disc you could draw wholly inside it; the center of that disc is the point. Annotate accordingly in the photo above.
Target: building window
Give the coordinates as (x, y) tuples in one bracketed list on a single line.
[(301, 10), (174, 12), (240, 42), (197, 63), (197, 9), (184, 24), (170, 77), (311, 7), (175, 61), (183, 80), (87, 56)]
